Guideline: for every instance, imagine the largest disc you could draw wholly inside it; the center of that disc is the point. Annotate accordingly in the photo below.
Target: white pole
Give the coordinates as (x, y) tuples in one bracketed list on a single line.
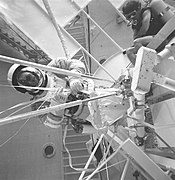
[(91, 156), (164, 81), (165, 126), (60, 35), (87, 15), (102, 164), (48, 68), (125, 170), (140, 115), (143, 123), (86, 50), (49, 109), (116, 44)]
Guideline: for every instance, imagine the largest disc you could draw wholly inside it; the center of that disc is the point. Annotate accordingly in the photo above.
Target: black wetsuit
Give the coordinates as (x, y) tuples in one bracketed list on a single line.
[(154, 27), (155, 23)]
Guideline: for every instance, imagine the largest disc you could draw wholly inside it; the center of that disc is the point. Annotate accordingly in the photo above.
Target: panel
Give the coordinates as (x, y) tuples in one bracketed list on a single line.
[(64, 13), (68, 9), (35, 23), (22, 155)]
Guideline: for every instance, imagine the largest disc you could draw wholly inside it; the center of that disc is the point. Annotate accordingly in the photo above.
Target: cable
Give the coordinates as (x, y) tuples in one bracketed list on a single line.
[(108, 167), (17, 132), (69, 155), (11, 137), (88, 67), (88, 32), (15, 106), (57, 27)]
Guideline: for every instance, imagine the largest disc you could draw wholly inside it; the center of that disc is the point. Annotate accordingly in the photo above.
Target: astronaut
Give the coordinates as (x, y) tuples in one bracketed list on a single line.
[(49, 89), (36, 83)]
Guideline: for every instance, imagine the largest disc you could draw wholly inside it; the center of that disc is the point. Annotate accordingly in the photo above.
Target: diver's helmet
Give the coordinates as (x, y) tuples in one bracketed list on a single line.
[(130, 8), (19, 76)]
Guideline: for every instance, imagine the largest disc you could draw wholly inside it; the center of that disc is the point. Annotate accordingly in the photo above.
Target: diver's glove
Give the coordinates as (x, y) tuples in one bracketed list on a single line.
[(76, 85)]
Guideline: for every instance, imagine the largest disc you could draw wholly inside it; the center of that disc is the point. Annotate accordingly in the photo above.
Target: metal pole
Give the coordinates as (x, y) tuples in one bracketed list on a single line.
[(160, 98), (125, 170), (164, 142), (140, 114), (165, 126), (88, 52), (102, 164), (50, 13), (48, 68), (144, 123), (91, 156), (164, 81), (49, 109), (87, 15)]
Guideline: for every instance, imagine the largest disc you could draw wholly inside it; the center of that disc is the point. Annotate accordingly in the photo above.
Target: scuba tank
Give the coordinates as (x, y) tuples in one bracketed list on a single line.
[(161, 10)]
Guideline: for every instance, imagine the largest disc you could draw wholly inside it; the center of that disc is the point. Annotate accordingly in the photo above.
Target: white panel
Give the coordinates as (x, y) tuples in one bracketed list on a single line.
[(114, 65), (166, 162), (63, 13), (143, 70), (34, 22), (82, 3), (117, 3), (21, 158), (105, 15), (163, 113), (144, 161), (66, 11)]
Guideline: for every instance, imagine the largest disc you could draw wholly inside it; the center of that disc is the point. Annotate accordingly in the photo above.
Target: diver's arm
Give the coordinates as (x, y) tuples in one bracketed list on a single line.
[(145, 24), (143, 40)]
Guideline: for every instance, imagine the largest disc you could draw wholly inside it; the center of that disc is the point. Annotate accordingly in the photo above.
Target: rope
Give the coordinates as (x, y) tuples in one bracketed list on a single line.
[(57, 27), (31, 87), (91, 156), (108, 167), (20, 128), (108, 149), (49, 68), (69, 155), (50, 109), (102, 164), (15, 106)]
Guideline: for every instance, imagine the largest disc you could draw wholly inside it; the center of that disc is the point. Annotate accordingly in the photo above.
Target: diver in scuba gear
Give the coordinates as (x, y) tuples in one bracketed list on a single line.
[(146, 21), (143, 20)]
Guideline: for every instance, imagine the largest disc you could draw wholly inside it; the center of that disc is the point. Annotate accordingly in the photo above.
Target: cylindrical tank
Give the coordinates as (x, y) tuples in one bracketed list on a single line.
[(162, 10)]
